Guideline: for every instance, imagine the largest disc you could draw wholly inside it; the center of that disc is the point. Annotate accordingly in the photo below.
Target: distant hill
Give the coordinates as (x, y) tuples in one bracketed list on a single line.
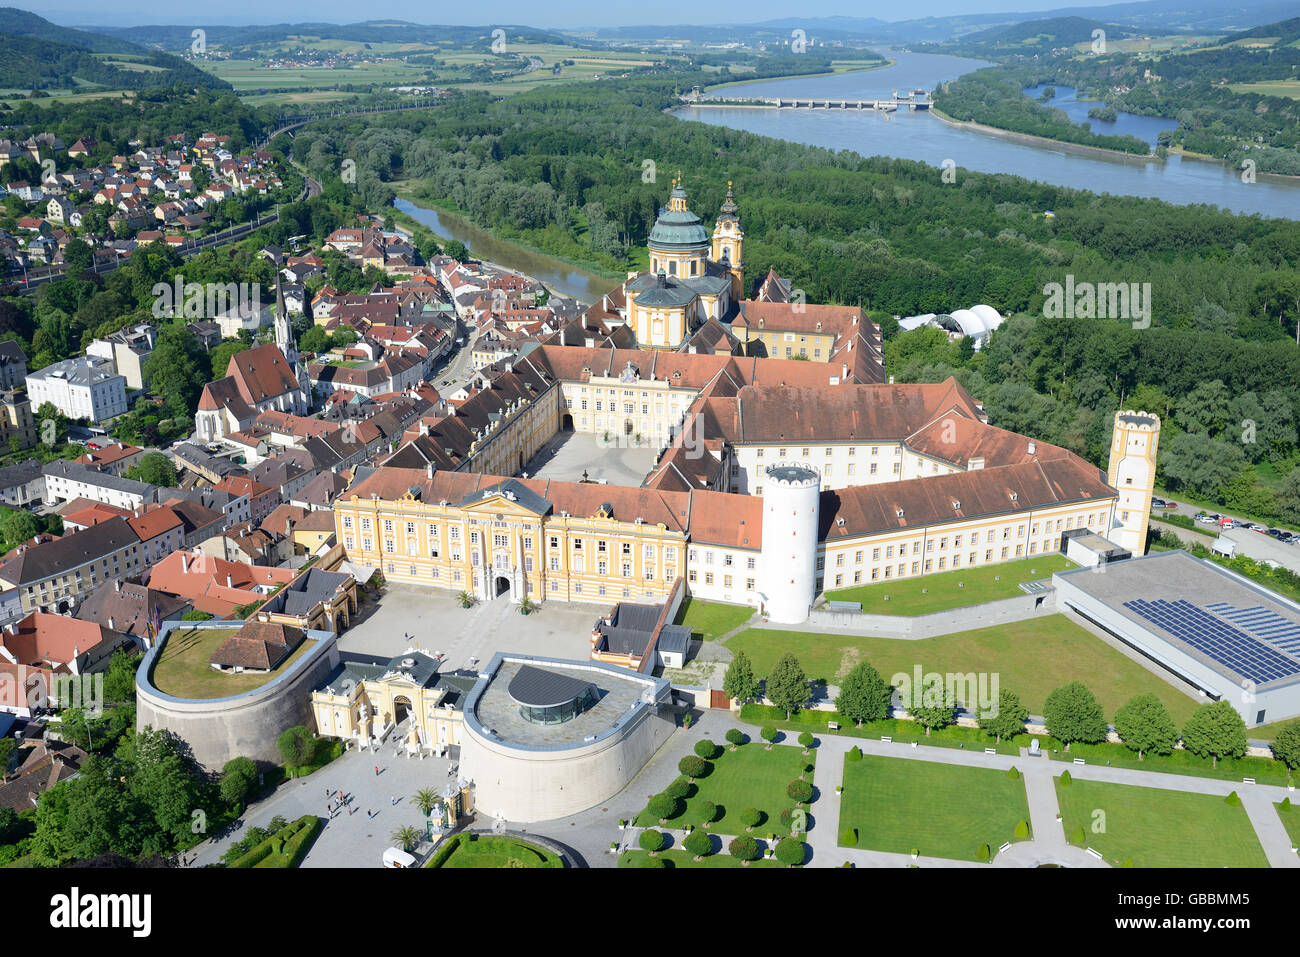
[(23, 23), (1287, 32), (175, 37), (38, 55), (1040, 36)]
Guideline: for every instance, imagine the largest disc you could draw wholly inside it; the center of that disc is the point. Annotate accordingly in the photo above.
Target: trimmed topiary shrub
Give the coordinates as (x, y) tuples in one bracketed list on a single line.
[(800, 791), (790, 851), (698, 844), (1079, 837), (651, 840), (1022, 829), (850, 837), (807, 740), (678, 789), (743, 848), (855, 753), (1233, 800), (1013, 773), (1286, 804), (984, 854), (1065, 779), (664, 807), (735, 737), (769, 734), (706, 749), (751, 817), (708, 812), (693, 766)]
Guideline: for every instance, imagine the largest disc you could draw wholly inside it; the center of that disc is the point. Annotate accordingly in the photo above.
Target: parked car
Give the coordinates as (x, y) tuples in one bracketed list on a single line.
[(1226, 522), (1274, 532), (1157, 503), (1208, 519), (1169, 504)]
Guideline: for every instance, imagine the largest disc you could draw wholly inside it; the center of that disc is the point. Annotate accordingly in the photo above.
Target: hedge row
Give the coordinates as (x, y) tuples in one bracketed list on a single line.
[(286, 847)]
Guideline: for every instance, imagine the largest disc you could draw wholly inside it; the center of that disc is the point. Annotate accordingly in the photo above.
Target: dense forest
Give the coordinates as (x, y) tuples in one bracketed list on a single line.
[(38, 55), (993, 96)]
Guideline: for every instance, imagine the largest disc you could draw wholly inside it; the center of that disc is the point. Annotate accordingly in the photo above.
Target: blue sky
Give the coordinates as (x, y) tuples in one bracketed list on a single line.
[(557, 13)]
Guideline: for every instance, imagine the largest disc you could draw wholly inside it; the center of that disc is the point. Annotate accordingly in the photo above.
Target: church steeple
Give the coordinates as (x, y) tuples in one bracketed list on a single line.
[(729, 243)]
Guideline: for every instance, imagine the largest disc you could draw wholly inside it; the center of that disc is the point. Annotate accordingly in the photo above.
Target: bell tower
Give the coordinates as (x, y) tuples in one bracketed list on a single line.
[(729, 244)]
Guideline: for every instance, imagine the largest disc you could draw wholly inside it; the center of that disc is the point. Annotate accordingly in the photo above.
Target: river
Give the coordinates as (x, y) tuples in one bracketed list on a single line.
[(921, 136), (555, 274)]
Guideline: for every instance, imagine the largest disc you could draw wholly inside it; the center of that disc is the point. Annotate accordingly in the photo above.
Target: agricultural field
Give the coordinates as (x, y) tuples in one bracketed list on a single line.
[(1289, 88)]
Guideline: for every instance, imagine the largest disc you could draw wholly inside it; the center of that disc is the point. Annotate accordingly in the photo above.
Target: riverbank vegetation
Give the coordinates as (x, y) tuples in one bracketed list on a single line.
[(1220, 95)]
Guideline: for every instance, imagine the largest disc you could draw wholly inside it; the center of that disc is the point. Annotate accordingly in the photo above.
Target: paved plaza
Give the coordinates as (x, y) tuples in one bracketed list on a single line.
[(347, 840), (441, 626), (569, 454)]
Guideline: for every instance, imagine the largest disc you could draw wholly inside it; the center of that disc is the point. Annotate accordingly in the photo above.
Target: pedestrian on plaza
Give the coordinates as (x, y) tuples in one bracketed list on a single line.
[(392, 800), (376, 770)]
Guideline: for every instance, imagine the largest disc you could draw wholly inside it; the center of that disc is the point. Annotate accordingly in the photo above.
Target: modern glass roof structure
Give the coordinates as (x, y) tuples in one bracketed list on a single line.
[(546, 697)]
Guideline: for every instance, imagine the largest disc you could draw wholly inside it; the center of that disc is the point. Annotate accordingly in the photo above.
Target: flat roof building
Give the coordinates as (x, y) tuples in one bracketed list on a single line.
[(545, 738), (1229, 637)]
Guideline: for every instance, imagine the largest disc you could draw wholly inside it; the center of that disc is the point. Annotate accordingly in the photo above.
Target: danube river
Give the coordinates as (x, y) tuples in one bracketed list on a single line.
[(555, 274), (924, 137)]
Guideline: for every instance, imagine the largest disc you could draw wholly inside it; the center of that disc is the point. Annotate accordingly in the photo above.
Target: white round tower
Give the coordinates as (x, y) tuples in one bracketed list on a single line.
[(791, 494)]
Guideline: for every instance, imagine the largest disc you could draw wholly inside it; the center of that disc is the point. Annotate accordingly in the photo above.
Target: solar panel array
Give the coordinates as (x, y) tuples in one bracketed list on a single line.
[(1217, 639), (1259, 621)]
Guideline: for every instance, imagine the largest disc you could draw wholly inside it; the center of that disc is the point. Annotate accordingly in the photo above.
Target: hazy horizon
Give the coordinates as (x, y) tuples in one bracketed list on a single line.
[(568, 16)]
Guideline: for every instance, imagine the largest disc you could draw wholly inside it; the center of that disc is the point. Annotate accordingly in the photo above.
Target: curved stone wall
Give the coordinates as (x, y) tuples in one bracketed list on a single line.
[(246, 725)]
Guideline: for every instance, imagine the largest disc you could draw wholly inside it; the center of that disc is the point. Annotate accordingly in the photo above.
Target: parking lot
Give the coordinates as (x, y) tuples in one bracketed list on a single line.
[(1249, 542)]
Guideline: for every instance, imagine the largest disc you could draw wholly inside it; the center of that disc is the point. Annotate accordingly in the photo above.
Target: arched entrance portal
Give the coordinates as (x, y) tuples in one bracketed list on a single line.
[(401, 708), (501, 587), (627, 426), (566, 423)]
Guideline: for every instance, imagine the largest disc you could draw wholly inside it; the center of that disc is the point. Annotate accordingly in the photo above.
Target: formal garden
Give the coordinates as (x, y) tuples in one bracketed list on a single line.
[(907, 806), (743, 800), (946, 590), (282, 845), (1133, 826), (491, 850)]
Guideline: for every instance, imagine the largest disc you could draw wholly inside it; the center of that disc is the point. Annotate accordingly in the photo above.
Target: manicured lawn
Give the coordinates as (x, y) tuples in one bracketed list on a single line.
[(941, 810), (181, 668), (750, 776), (1290, 820), (1179, 761), (710, 619), (485, 851), (675, 858), (955, 589), (1159, 828), (1030, 657)]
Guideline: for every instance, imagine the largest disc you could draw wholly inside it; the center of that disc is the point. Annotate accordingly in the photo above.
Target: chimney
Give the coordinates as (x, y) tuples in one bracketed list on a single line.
[(229, 582), (117, 584), (844, 370), (1033, 448), (112, 623)]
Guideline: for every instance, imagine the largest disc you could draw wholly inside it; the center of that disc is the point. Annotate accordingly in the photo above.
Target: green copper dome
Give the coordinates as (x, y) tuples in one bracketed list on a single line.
[(677, 228)]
